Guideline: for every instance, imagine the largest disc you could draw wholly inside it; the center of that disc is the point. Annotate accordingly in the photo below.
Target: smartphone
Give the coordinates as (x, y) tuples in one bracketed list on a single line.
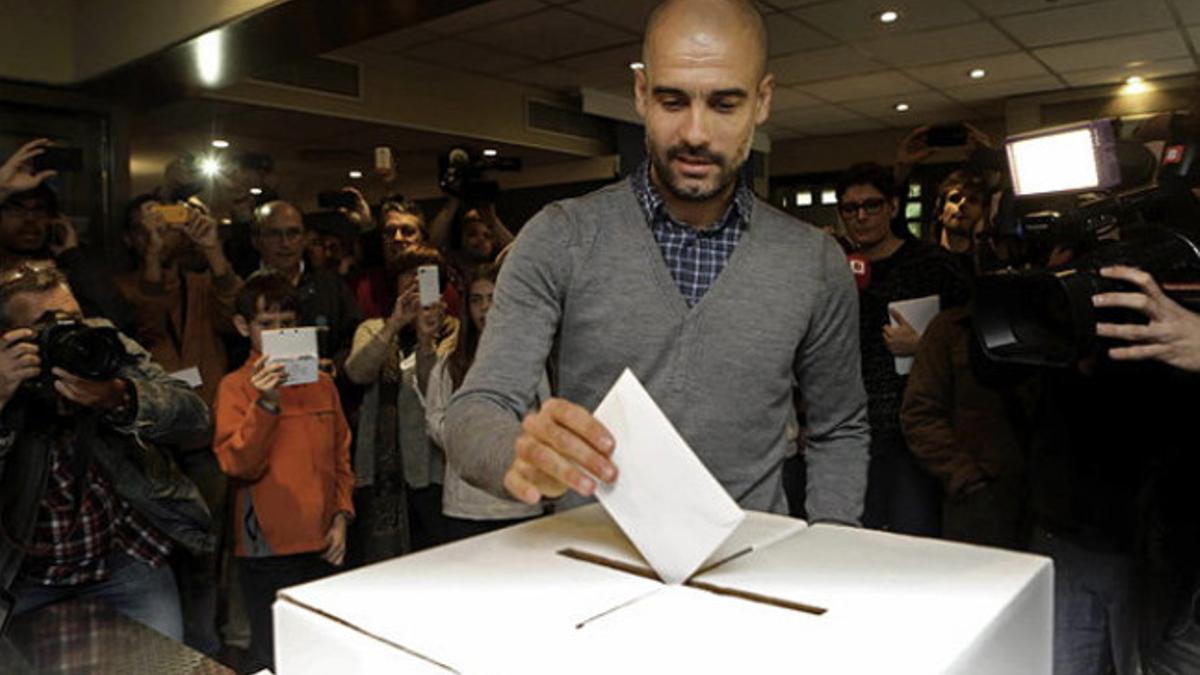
[(383, 159), (58, 159), (337, 199), (946, 135), (173, 214), (428, 285)]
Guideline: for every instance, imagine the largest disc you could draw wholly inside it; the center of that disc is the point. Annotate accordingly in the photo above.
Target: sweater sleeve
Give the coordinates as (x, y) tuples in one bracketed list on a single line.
[(367, 353), (483, 419), (828, 370), (437, 397), (244, 431), (926, 413)]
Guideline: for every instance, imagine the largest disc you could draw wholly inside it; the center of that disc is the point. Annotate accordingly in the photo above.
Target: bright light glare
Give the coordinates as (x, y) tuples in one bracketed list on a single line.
[(210, 166), (901, 107), (977, 73), (828, 196), (491, 152), (637, 65), (256, 191), (889, 16), (356, 174), (220, 144), (210, 58), (1135, 84), (804, 198), (1055, 163)]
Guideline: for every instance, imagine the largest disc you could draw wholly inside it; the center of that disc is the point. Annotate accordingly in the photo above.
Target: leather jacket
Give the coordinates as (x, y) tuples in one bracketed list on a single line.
[(134, 453)]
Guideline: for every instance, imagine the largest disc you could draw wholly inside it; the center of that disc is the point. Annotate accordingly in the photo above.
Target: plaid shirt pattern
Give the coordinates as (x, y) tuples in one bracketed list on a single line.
[(71, 544), (694, 257)]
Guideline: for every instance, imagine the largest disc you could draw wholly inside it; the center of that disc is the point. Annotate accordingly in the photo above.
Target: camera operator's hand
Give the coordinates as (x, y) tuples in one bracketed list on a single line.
[(267, 378), (911, 150), (63, 236), (361, 213), (1173, 334), (977, 138), (16, 174), (201, 230), (19, 361), (555, 442), (103, 395), (901, 339)]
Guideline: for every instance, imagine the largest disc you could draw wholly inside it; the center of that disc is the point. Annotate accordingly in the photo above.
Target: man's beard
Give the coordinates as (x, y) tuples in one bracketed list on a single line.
[(726, 173)]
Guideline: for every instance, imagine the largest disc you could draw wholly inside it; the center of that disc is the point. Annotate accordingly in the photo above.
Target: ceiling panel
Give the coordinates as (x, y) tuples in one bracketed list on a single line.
[(942, 44), (550, 76), (399, 41), (853, 20), (821, 64), (984, 91), (483, 14), (786, 98), (787, 34), (1189, 10), (1114, 51), (1013, 66), (1068, 24), (550, 34), (814, 115), (613, 61), (1008, 7), (628, 14), (859, 87), (1111, 75), (837, 128), (924, 107), (455, 53)]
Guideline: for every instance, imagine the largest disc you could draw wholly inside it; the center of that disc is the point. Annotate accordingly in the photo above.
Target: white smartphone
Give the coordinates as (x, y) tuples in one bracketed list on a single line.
[(383, 159), (429, 285)]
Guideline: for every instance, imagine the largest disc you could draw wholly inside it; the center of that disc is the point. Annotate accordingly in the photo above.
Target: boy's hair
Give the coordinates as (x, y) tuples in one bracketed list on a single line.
[(867, 173), (272, 288)]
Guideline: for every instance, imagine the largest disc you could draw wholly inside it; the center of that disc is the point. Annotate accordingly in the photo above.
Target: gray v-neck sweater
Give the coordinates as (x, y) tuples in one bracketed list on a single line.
[(587, 277)]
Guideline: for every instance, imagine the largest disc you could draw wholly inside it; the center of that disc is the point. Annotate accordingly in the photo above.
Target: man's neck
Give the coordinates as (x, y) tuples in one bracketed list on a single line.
[(292, 273), (884, 248), (698, 215), (955, 241)]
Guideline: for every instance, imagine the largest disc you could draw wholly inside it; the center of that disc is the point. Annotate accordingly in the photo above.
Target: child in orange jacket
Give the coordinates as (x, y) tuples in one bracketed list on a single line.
[(288, 447)]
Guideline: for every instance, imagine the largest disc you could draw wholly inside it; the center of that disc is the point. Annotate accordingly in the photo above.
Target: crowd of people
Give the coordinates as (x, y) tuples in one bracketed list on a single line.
[(434, 421)]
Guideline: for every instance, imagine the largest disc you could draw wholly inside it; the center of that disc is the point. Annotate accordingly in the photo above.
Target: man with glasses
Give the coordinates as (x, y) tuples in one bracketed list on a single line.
[(901, 495)]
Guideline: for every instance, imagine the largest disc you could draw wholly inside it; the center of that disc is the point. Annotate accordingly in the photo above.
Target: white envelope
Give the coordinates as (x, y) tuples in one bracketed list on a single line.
[(664, 499), (918, 312), (297, 349)]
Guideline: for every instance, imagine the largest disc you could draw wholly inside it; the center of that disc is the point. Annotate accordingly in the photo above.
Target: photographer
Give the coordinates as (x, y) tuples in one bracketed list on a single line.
[(92, 504)]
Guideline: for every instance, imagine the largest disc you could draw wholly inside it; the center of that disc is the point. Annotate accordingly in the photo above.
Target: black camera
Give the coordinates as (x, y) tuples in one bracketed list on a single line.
[(461, 171), (1110, 202), (90, 352)]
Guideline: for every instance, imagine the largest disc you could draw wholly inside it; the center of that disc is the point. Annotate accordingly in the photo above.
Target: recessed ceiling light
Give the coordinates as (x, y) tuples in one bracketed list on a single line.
[(1135, 79), (889, 16), (256, 191), (356, 174), (901, 107), (637, 65), (1135, 84), (490, 152), (977, 73), (210, 166), (220, 143)]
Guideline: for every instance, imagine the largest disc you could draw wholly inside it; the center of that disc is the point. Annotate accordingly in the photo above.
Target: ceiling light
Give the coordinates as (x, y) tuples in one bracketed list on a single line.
[(356, 174), (1135, 80), (637, 65), (220, 143), (490, 152), (977, 73), (901, 107), (210, 166), (210, 58), (889, 16), (256, 191), (828, 197), (1135, 84), (805, 198)]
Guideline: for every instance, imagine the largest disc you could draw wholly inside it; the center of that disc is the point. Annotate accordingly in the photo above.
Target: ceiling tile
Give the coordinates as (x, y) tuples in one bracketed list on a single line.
[(483, 14), (785, 35), (399, 41), (1000, 67), (1111, 75), (821, 64), (1007, 7), (1087, 22), (615, 60), (985, 91), (549, 35), (786, 98), (813, 115), (1113, 51), (924, 107), (628, 14), (1189, 10), (855, 19), (838, 128), (860, 87), (942, 44), (455, 53), (548, 76)]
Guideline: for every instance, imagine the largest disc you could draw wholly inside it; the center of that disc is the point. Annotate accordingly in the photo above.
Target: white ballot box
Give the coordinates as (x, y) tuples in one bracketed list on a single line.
[(569, 594)]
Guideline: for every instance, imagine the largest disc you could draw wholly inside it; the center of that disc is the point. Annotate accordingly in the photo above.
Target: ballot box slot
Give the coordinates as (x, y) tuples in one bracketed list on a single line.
[(693, 582)]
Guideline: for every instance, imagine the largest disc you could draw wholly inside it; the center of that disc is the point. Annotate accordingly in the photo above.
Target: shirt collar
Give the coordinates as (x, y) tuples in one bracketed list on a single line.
[(655, 210)]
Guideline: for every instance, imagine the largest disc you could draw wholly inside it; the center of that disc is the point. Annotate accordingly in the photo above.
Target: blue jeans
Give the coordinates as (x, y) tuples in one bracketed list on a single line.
[(133, 588)]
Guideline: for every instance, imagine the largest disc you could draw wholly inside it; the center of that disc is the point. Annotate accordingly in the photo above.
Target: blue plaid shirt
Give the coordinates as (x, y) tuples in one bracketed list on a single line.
[(695, 257)]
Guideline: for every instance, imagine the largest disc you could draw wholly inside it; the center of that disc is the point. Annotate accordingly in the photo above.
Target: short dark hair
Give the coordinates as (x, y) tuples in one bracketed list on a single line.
[(27, 276), (965, 180), (416, 256), (867, 173), (406, 207), (272, 288), (133, 212)]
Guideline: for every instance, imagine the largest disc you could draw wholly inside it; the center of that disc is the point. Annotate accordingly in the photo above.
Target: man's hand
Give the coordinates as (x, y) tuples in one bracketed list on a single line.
[(556, 444), (407, 307), (267, 379), (1173, 334), (63, 236), (201, 229), (16, 174), (103, 395), (429, 324), (913, 149), (901, 339), (19, 361), (335, 541)]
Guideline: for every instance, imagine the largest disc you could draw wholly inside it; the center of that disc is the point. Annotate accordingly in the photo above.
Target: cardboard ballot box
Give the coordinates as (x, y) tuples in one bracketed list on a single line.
[(569, 594)]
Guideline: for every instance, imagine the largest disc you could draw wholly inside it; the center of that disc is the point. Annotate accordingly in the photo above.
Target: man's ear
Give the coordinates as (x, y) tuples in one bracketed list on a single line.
[(242, 326), (641, 92), (766, 90)]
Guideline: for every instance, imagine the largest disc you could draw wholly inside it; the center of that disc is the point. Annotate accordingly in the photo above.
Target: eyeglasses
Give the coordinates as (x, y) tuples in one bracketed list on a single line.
[(290, 234), (26, 269), (872, 206)]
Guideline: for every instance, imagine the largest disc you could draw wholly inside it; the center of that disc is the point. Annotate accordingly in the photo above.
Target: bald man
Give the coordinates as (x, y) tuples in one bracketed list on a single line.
[(718, 302)]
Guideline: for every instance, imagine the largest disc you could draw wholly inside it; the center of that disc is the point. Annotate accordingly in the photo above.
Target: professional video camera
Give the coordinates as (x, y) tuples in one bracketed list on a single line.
[(461, 174), (91, 352), (1111, 202)]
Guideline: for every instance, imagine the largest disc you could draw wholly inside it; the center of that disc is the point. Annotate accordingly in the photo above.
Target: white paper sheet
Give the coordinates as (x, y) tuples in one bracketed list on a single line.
[(664, 499), (918, 312), (189, 376), (297, 349)]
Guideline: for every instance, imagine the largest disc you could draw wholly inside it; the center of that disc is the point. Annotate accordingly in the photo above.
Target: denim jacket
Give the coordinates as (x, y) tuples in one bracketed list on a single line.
[(134, 455)]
